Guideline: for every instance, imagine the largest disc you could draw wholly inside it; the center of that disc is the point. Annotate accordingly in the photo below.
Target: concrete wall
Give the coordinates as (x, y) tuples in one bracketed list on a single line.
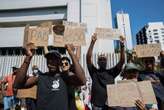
[(25, 4), (11, 37), (97, 13)]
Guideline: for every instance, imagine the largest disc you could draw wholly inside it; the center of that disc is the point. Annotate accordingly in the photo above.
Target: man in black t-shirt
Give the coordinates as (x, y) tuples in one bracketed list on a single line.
[(102, 76), (155, 78), (52, 93)]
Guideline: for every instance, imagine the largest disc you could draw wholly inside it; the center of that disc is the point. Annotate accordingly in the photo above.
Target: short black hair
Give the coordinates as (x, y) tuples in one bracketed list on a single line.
[(53, 53), (66, 58)]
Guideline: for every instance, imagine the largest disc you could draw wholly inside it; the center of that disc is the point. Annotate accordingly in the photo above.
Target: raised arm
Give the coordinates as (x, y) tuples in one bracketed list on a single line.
[(21, 79), (78, 70), (122, 55), (90, 49), (78, 52)]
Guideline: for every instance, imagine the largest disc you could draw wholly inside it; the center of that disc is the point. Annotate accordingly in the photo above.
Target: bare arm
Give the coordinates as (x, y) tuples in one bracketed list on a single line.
[(78, 70), (90, 50), (21, 79), (78, 53), (122, 55)]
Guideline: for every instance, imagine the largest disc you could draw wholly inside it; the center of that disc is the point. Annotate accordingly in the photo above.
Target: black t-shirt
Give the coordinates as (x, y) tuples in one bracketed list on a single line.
[(100, 78), (71, 97), (52, 93)]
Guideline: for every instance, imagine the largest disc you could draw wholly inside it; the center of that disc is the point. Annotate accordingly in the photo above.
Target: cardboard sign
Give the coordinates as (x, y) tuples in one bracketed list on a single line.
[(148, 50), (72, 35), (108, 33), (68, 23), (27, 93), (47, 24), (125, 94), (59, 40), (36, 35)]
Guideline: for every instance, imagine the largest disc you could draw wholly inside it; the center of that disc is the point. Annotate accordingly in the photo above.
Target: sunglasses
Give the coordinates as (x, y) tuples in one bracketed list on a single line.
[(65, 63)]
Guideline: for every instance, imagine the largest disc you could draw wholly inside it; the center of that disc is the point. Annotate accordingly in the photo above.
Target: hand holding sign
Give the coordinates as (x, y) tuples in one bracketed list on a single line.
[(59, 29), (94, 37), (140, 105), (108, 33), (122, 40), (30, 48), (37, 35), (70, 48)]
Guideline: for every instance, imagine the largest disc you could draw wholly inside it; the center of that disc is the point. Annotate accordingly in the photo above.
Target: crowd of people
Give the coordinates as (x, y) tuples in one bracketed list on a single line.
[(65, 87)]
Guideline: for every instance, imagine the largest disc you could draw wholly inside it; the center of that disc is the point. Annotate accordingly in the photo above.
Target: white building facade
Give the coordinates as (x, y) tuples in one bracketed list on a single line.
[(154, 33), (123, 24), (16, 14)]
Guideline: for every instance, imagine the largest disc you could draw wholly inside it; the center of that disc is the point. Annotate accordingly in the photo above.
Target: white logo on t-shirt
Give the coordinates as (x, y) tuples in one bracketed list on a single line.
[(55, 85)]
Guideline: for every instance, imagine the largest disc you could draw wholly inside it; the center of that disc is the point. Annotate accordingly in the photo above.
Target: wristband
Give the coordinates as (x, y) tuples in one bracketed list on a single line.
[(122, 45)]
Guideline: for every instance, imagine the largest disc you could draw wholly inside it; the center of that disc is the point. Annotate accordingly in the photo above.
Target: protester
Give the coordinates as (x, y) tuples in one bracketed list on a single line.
[(66, 69), (8, 92), (162, 59), (52, 86), (161, 75), (131, 72), (150, 74), (102, 76)]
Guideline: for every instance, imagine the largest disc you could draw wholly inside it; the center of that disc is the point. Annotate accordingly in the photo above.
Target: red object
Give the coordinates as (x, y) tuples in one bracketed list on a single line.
[(9, 81)]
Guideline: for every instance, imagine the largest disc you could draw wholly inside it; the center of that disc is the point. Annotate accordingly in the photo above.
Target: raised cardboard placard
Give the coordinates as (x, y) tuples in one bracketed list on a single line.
[(47, 24), (36, 35), (108, 33), (27, 93), (148, 50), (72, 35), (68, 23), (59, 40), (125, 94)]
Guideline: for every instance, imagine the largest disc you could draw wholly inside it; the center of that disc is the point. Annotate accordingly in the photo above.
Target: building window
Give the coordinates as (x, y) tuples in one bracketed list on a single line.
[(156, 37), (157, 41), (155, 33), (155, 30)]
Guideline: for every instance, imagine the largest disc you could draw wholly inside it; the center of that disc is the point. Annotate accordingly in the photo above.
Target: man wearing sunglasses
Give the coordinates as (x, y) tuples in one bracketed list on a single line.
[(52, 91), (102, 76), (67, 71)]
